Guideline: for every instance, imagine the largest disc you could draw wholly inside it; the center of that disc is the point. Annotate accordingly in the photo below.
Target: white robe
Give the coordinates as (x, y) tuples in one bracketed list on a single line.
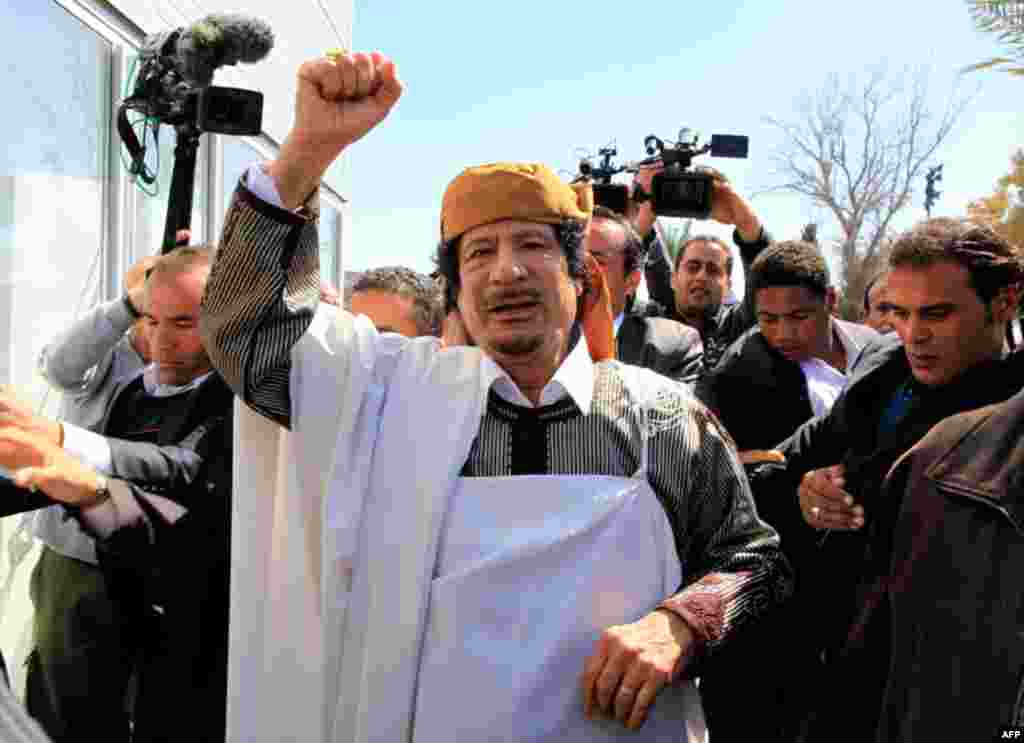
[(332, 567)]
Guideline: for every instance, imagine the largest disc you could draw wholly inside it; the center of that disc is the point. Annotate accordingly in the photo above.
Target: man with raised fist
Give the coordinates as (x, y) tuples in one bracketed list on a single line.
[(520, 538)]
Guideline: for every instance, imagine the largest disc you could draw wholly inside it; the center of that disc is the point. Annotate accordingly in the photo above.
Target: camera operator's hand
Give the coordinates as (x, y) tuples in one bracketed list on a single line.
[(338, 100), (728, 207), (643, 215)]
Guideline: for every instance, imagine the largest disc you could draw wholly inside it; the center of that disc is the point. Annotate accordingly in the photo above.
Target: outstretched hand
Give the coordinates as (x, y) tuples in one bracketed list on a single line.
[(824, 502), (337, 101), (17, 414), (39, 464)]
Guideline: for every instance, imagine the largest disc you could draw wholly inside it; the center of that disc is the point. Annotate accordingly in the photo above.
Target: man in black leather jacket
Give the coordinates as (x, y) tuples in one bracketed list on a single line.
[(954, 287)]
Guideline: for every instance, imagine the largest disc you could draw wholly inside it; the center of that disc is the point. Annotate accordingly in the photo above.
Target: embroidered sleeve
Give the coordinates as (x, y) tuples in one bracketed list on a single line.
[(733, 570)]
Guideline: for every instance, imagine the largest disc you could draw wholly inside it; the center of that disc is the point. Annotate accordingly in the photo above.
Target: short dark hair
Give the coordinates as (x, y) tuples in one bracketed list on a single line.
[(868, 287), (569, 233), (633, 248), (427, 305), (988, 257), (790, 263), (706, 239)]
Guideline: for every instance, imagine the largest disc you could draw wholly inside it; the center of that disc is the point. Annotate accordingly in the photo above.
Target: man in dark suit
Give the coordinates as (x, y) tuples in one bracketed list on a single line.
[(793, 364), (782, 372), (162, 521), (665, 346)]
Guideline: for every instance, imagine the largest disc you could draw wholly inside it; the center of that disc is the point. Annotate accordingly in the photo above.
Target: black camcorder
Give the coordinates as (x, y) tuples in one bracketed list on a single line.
[(614, 196), (173, 87), (229, 111), (174, 74), (680, 191)]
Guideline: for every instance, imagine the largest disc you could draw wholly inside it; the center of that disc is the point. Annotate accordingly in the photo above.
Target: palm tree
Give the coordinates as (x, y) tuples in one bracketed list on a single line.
[(1004, 19)]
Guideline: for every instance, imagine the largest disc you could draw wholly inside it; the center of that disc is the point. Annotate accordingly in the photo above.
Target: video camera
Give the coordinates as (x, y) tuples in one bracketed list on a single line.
[(173, 82), (678, 191), (173, 87), (614, 196)]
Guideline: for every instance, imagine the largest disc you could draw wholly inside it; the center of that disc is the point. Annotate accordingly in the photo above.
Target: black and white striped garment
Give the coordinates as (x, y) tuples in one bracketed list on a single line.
[(262, 294)]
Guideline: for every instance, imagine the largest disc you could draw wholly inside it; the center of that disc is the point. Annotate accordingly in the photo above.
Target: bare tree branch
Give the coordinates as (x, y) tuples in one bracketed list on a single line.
[(857, 149)]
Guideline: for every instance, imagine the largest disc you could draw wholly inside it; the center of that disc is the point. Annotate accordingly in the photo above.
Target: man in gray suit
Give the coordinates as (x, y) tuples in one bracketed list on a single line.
[(665, 346)]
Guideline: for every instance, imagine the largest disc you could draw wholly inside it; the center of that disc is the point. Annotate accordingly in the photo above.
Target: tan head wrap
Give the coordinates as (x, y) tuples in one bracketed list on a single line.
[(528, 191)]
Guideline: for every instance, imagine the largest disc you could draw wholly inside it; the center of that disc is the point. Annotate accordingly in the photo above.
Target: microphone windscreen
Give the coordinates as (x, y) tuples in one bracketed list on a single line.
[(245, 39)]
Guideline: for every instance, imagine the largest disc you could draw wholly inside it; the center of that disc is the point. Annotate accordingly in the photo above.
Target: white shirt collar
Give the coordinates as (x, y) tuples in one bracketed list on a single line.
[(850, 346), (574, 378), (154, 388), (618, 323)]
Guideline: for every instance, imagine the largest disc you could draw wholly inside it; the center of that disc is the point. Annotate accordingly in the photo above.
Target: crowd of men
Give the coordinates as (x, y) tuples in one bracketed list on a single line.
[(510, 501)]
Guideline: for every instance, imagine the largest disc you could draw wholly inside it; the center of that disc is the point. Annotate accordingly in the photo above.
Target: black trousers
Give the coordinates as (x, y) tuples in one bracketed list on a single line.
[(79, 669)]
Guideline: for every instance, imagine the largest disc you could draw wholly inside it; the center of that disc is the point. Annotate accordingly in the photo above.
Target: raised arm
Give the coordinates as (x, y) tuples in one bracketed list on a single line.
[(77, 359), (265, 286), (746, 317), (728, 208)]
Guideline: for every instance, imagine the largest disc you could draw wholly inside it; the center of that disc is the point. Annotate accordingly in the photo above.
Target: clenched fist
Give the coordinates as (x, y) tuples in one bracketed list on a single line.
[(337, 101)]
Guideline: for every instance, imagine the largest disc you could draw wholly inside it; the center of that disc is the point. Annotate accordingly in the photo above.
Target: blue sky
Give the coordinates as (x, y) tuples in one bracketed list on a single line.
[(535, 80)]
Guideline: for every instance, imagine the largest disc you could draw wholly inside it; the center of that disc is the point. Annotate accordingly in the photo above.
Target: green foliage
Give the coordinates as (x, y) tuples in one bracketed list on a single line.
[(674, 234), (1003, 19)]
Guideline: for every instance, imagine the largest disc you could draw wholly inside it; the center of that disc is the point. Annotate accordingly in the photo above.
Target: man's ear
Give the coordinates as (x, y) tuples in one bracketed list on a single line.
[(1007, 302), (632, 282), (830, 300)]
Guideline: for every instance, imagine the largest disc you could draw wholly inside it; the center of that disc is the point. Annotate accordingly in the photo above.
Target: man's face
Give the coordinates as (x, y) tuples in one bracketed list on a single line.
[(701, 280), (516, 298), (795, 321), (389, 312), (172, 314), (878, 318), (606, 241), (942, 322)]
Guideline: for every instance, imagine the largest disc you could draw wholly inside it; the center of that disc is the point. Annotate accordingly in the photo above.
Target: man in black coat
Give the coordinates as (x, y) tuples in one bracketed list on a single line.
[(953, 286), (794, 363), (693, 289), (162, 522), (779, 374), (661, 345)]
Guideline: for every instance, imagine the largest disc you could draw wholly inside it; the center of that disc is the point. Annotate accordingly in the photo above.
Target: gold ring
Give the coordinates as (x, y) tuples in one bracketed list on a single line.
[(336, 53)]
